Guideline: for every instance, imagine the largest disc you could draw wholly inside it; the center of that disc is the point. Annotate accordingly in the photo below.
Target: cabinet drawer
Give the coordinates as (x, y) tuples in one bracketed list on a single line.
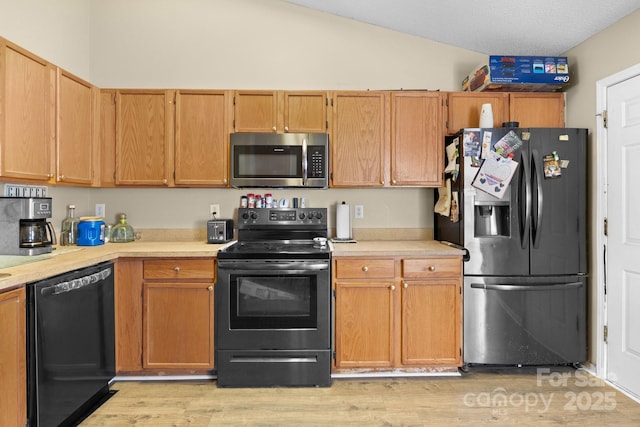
[(431, 267), (179, 269), (365, 268)]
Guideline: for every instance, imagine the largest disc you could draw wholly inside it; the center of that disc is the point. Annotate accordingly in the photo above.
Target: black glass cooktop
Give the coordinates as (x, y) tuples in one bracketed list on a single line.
[(299, 249)]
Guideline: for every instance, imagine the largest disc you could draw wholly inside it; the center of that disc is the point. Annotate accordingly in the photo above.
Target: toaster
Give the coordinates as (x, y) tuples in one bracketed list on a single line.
[(219, 230)]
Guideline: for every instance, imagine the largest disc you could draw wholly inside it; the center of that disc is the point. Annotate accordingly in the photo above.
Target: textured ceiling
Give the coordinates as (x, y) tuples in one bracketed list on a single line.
[(493, 27)]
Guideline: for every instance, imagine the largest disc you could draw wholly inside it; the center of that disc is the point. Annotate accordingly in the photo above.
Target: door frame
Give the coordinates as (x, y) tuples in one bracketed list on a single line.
[(601, 209)]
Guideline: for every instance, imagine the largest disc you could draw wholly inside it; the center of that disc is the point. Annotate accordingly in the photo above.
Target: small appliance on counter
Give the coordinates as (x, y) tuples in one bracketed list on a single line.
[(24, 229), (219, 230)]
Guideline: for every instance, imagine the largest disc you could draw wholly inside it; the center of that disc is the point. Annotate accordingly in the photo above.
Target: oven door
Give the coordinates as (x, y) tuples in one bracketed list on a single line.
[(273, 304)]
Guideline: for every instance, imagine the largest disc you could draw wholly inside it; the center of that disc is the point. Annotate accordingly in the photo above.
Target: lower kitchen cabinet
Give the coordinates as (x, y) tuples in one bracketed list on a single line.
[(432, 311), (164, 317), (364, 323), (13, 371), (398, 312)]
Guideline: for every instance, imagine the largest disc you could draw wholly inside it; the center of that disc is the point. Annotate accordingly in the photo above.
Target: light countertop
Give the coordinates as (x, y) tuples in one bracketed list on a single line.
[(69, 258)]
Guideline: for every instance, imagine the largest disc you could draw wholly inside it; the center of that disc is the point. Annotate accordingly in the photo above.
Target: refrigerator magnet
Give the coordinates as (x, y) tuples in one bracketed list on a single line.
[(486, 145), (471, 142), (551, 166)]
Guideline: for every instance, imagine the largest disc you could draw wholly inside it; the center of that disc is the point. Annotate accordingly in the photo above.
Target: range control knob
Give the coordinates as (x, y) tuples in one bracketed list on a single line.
[(312, 214), (319, 215), (302, 215), (254, 215), (245, 215)]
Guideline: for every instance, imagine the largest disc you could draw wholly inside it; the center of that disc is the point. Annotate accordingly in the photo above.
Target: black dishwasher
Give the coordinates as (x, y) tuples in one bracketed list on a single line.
[(71, 344)]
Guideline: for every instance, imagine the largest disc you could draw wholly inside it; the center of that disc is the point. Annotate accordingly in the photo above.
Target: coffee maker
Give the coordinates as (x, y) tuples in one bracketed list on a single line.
[(24, 229)]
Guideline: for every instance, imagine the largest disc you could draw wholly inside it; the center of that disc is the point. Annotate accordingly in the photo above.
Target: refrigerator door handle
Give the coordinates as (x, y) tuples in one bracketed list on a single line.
[(513, 287), (524, 202), (536, 173)]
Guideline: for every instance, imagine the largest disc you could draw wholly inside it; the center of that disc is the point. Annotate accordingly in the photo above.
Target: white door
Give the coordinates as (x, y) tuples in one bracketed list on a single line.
[(623, 242)]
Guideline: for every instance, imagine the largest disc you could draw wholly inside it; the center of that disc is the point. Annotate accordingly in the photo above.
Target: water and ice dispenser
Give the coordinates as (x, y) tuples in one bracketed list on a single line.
[(491, 218)]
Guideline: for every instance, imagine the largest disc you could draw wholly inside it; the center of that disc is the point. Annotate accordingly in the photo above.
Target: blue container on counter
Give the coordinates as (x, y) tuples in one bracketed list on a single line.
[(90, 231)]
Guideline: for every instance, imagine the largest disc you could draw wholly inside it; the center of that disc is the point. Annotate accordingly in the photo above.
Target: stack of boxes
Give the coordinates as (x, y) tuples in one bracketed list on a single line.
[(519, 73)]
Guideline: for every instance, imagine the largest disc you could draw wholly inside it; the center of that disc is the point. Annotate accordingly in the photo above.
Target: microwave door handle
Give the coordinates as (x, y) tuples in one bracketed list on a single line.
[(304, 162)]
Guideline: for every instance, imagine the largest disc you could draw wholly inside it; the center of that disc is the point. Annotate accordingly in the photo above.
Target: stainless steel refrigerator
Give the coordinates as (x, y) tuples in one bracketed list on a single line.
[(525, 230)]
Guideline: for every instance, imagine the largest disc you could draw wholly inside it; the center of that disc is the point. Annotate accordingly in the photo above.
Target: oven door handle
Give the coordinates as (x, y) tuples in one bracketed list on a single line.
[(253, 265)]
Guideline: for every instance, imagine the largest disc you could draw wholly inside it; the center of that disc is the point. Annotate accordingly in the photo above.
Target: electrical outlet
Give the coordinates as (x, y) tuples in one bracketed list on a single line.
[(359, 212), (214, 210), (101, 210)]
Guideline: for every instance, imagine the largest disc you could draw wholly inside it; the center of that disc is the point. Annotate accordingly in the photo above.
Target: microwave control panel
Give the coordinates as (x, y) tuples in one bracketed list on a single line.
[(317, 160)]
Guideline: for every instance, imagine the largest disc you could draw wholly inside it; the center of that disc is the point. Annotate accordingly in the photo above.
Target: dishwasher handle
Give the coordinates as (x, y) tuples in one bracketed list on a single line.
[(77, 283), (514, 287)]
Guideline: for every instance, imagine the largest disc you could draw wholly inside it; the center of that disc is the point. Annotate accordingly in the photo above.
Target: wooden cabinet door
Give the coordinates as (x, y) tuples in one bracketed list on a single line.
[(416, 139), (364, 323), (27, 122), (537, 109), (13, 353), (431, 322), (128, 315), (144, 135), (255, 111), (305, 111), (464, 109), (178, 325), (202, 138), (107, 138), (360, 140), (75, 136)]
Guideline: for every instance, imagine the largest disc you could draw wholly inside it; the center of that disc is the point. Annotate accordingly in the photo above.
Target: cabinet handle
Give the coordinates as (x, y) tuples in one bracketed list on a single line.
[(393, 287), (176, 269), (273, 128), (405, 285), (432, 268), (394, 182), (365, 268), (61, 178), (210, 288), (286, 128), (165, 181)]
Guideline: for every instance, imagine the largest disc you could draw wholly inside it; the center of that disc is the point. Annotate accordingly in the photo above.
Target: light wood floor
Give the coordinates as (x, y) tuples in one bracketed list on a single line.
[(482, 397)]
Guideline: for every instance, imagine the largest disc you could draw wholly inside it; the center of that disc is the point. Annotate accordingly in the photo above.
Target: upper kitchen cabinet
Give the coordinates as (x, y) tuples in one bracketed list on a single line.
[(107, 138), (537, 109), (417, 131), (76, 106), (27, 115), (280, 111), (359, 139), (144, 132), (464, 109), (202, 138), (529, 109)]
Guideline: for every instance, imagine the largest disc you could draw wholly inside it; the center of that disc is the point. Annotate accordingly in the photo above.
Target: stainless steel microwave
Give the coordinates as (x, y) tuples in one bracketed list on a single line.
[(289, 160)]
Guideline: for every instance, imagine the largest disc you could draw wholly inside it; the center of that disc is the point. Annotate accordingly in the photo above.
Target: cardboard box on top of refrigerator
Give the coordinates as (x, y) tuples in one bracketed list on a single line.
[(519, 73)]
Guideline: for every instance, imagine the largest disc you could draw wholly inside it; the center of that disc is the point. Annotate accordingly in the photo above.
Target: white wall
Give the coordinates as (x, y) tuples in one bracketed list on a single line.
[(57, 31), (607, 53), (259, 44)]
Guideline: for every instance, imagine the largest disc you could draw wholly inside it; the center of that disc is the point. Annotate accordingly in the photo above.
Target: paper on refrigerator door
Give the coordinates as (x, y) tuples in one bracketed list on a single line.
[(495, 175)]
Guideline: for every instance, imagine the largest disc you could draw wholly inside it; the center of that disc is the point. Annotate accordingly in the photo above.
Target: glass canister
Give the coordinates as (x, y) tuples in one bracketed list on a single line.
[(122, 232), (69, 228)]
